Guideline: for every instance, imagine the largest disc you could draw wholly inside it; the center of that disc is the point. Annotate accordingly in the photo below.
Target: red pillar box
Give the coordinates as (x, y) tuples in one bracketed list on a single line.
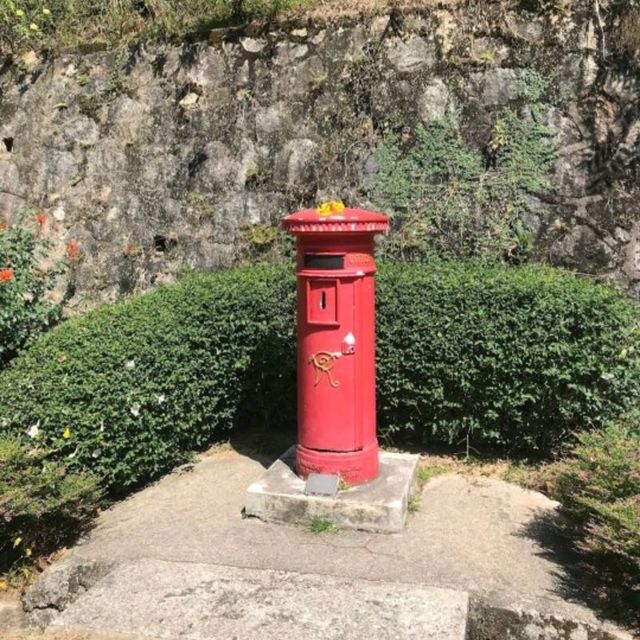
[(336, 341)]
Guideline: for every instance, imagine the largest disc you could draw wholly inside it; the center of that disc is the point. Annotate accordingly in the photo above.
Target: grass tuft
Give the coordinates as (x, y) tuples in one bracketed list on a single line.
[(52, 24), (319, 526)]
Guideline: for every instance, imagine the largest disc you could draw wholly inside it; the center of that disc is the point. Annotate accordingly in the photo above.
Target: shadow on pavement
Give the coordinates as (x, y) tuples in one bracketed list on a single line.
[(262, 444), (584, 579)]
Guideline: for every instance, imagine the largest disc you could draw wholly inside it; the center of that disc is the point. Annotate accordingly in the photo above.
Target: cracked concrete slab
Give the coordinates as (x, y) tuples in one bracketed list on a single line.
[(471, 535), (194, 601), (60, 586)]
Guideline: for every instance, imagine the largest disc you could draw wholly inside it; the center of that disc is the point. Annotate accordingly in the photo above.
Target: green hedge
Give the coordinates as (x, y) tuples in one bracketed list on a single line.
[(518, 357), (513, 357), (599, 488), (130, 389), (42, 505)]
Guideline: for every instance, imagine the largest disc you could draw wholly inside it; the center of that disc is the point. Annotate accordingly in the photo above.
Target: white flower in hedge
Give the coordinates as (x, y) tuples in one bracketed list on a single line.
[(135, 410), (161, 398), (130, 364), (97, 453), (34, 430)]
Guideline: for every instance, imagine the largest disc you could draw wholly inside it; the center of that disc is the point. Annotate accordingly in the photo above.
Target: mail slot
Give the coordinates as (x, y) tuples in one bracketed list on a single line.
[(324, 262), (322, 302)]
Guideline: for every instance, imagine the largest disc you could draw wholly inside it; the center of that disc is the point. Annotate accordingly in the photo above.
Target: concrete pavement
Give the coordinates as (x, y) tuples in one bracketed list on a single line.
[(470, 536)]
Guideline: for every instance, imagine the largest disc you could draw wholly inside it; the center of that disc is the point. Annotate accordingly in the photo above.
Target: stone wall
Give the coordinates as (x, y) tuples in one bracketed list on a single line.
[(160, 157)]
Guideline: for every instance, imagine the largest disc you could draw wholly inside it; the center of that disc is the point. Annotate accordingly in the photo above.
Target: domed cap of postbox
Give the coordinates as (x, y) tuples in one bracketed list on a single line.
[(333, 217)]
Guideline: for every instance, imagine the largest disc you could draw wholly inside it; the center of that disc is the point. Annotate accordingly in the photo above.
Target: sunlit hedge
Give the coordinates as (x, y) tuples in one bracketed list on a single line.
[(42, 504), (599, 488), (518, 358), (130, 389)]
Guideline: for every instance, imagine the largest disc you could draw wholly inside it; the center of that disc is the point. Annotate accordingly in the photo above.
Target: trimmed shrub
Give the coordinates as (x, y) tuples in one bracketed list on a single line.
[(599, 488), (516, 357), (513, 357), (42, 505), (129, 390)]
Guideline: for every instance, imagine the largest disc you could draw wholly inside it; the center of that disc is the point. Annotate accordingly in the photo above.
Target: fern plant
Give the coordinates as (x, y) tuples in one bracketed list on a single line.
[(447, 197)]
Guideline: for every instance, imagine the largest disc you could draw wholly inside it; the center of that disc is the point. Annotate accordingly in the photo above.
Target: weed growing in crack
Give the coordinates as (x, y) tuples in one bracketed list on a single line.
[(321, 525)]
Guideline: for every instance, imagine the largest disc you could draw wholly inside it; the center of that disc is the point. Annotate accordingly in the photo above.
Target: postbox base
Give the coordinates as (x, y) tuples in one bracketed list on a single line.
[(353, 467), (279, 495)]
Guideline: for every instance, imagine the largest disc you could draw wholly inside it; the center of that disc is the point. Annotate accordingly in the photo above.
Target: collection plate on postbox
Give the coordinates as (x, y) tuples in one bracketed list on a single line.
[(336, 341)]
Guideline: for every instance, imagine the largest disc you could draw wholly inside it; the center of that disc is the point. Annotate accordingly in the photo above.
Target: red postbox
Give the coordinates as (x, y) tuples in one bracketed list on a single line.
[(336, 341)]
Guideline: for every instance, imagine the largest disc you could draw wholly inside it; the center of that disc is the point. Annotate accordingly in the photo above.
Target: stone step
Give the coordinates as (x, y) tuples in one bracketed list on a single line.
[(189, 601)]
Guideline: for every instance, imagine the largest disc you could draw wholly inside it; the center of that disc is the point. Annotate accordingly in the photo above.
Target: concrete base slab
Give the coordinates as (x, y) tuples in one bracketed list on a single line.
[(471, 534), (191, 601), (379, 505)]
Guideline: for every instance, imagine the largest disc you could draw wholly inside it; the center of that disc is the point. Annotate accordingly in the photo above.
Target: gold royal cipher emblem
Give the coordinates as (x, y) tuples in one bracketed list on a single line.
[(323, 362)]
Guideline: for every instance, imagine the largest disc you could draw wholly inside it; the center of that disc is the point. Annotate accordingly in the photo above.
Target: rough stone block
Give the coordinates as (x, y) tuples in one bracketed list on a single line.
[(379, 505), (193, 601), (11, 616)]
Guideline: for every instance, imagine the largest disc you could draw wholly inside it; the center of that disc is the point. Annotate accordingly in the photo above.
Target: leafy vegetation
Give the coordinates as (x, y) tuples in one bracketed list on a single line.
[(129, 390), (264, 242), (447, 197), (599, 488), (426, 472), (520, 358), (321, 525), (531, 86), (25, 311), (42, 505), (55, 23)]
